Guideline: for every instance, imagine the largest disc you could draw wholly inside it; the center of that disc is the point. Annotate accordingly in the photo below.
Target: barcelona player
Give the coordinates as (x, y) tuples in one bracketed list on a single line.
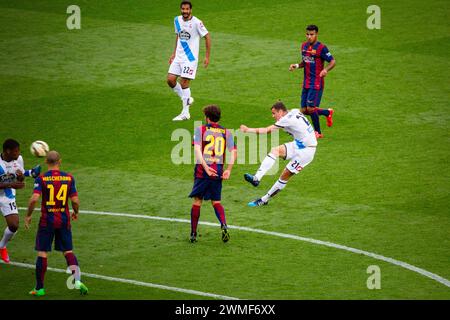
[(56, 188), (210, 142), (314, 55), (12, 176)]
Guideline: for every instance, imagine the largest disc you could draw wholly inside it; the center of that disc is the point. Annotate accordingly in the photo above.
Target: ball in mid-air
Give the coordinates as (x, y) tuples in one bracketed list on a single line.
[(39, 148)]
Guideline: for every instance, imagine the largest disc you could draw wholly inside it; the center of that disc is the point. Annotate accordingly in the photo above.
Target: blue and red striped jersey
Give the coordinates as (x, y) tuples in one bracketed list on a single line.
[(56, 188), (213, 139), (313, 57)]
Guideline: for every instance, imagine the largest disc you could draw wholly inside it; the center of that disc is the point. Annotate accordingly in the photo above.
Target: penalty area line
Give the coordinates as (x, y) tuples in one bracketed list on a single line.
[(399, 263), (128, 281)]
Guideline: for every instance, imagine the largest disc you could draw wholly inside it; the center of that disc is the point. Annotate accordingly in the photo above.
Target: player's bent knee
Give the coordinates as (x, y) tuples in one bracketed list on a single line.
[(67, 252), (42, 254), (172, 82)]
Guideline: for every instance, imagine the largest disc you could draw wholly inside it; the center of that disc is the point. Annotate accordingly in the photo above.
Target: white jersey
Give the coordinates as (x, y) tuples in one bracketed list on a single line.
[(189, 34), (7, 175), (296, 124)]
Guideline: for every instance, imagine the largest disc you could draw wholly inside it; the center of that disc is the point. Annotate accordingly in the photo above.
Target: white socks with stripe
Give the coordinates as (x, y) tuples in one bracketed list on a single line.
[(178, 90), (7, 235), (277, 187), (186, 95), (267, 163)]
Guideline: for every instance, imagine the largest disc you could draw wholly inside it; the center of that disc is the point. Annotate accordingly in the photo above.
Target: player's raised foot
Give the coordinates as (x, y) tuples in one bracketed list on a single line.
[(318, 135), (4, 255), (37, 293), (182, 117), (252, 179), (330, 118), (36, 171), (225, 234), (82, 287), (193, 237), (257, 203)]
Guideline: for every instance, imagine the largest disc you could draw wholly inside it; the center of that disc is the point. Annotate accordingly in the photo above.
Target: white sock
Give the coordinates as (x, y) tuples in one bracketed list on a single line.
[(267, 163), (277, 187), (186, 96), (7, 235), (178, 90)]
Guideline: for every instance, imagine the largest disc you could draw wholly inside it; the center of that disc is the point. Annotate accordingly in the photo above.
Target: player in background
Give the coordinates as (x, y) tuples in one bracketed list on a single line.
[(12, 176), (314, 54), (210, 141), (184, 59), (300, 152), (56, 188)]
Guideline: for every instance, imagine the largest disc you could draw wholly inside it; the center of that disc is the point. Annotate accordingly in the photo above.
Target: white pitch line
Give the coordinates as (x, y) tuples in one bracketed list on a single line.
[(399, 263), (133, 282)]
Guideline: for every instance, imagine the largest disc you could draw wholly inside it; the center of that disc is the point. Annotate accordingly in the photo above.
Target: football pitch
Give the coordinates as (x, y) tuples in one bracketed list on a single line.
[(375, 196)]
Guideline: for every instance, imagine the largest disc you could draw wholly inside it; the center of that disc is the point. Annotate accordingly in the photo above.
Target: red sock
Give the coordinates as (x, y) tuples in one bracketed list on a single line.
[(220, 213), (195, 215)]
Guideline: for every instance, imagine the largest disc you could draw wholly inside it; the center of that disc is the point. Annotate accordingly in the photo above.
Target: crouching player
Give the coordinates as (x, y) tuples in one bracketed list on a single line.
[(210, 141), (56, 187)]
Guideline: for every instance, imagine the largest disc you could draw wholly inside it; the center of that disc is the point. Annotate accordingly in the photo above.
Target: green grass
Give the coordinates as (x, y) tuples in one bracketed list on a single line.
[(379, 180)]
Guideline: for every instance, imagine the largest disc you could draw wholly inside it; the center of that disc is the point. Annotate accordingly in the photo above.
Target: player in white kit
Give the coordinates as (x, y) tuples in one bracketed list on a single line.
[(300, 152), (11, 178), (184, 60)]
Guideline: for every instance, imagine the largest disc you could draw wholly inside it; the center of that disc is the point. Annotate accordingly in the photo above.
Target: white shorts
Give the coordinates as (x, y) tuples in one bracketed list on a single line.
[(184, 69), (300, 158), (8, 206)]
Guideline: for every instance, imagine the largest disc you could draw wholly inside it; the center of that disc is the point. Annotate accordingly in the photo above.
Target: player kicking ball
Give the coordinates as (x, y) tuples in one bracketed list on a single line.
[(210, 141), (300, 152), (56, 188)]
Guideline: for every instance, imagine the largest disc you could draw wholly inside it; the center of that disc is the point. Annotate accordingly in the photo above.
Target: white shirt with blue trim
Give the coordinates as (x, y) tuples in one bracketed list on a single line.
[(296, 124), (7, 175), (189, 34)]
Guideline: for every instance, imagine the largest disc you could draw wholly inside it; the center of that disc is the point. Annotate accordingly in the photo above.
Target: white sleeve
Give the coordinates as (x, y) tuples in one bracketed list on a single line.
[(175, 25), (201, 28), (283, 122), (21, 165)]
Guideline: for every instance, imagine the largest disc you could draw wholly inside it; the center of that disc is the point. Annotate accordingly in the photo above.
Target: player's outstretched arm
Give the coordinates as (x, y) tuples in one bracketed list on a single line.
[(31, 204), (268, 129)]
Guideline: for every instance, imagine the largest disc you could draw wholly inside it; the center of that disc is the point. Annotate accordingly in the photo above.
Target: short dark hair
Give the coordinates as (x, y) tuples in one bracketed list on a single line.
[(279, 106), (212, 112), (186, 2), (10, 144), (312, 27)]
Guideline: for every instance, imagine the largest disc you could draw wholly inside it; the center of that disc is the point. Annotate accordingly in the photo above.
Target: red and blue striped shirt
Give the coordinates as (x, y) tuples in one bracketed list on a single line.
[(213, 139), (56, 188), (313, 56)]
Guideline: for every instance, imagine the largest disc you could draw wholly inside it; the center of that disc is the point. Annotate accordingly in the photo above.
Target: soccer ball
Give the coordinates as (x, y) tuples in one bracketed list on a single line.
[(39, 148)]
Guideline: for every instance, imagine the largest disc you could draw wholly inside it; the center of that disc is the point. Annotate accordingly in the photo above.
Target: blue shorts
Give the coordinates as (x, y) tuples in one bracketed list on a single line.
[(62, 236), (207, 189), (311, 97)]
